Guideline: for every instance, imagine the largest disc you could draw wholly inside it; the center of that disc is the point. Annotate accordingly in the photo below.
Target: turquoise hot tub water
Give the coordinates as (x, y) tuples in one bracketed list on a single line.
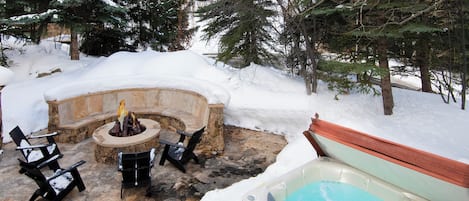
[(327, 179), (330, 191)]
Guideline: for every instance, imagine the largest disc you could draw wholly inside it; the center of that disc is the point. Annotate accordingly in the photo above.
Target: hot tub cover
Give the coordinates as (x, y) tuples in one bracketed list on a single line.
[(428, 175)]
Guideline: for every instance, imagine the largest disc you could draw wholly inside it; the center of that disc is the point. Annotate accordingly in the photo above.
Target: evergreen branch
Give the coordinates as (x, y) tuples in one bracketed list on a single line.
[(415, 15), (312, 7)]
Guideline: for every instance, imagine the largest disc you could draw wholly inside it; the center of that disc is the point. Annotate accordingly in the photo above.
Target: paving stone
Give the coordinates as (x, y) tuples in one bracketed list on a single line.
[(246, 154)]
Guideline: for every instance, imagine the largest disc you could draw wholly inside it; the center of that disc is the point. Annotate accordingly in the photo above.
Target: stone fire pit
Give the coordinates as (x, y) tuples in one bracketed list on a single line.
[(107, 146)]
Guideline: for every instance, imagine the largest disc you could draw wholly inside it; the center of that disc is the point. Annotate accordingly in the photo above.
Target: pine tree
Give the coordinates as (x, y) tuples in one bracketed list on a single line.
[(453, 50), (375, 28), (184, 33), (244, 28), (420, 36), (26, 19), (80, 15), (161, 24)]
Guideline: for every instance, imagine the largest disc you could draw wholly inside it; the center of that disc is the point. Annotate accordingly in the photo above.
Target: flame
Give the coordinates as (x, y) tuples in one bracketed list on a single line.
[(121, 111), (132, 115)]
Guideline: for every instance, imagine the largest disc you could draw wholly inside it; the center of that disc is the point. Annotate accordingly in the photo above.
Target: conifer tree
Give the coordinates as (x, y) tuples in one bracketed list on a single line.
[(26, 19), (243, 26), (160, 24), (453, 50), (375, 27), (184, 33), (80, 15)]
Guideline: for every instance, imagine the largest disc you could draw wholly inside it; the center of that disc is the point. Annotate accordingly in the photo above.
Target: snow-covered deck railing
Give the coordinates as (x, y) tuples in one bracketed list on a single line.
[(425, 174), (76, 115)]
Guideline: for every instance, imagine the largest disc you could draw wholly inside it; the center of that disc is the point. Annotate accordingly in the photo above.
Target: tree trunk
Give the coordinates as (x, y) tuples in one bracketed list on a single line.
[(180, 34), (464, 71), (422, 62), (386, 89), (308, 82), (311, 79), (314, 81), (74, 52)]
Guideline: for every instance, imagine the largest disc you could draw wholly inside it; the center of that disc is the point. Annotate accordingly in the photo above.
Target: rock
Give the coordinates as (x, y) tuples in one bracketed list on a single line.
[(172, 199), (202, 177), (57, 70), (192, 199), (201, 189), (212, 163), (181, 182)]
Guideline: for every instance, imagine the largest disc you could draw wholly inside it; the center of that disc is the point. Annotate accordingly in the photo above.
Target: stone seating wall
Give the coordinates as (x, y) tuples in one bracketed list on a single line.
[(76, 118)]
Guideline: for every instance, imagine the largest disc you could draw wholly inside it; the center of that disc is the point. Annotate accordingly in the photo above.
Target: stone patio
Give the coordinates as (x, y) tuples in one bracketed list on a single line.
[(247, 153)]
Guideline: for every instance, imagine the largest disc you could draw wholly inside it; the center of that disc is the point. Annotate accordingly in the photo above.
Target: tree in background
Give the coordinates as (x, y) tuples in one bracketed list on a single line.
[(299, 36), (159, 24), (3, 28), (434, 43), (244, 28), (82, 15), (362, 33), (102, 41), (25, 19), (306, 29), (172, 25), (106, 26), (376, 27), (184, 33), (451, 53), (463, 16)]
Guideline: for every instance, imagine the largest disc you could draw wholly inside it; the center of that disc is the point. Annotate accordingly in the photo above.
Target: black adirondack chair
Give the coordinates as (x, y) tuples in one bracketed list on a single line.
[(56, 186), (38, 153), (136, 169), (177, 153)]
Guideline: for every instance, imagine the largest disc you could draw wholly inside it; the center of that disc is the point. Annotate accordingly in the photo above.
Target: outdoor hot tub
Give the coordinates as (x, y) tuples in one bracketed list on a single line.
[(359, 162), (328, 179)]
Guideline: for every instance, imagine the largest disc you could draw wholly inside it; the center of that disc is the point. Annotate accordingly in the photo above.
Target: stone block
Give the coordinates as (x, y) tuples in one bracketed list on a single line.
[(110, 102), (133, 99), (79, 108), (95, 104), (138, 99), (66, 113), (152, 98), (213, 140)]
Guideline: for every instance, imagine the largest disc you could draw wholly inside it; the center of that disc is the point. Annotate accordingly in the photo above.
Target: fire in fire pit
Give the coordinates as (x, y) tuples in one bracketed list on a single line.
[(126, 124)]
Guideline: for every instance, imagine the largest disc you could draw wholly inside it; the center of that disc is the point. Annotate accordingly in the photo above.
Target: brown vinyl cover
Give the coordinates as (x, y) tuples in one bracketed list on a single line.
[(445, 169)]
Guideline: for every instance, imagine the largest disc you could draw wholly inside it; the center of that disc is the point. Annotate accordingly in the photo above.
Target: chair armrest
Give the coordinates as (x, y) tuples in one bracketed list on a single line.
[(171, 144), (45, 135), (119, 161), (77, 164), (71, 168), (181, 132), (50, 160), (32, 146), (152, 156)]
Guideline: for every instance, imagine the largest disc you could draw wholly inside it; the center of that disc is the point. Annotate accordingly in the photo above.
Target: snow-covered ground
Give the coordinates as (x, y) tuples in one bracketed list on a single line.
[(256, 97)]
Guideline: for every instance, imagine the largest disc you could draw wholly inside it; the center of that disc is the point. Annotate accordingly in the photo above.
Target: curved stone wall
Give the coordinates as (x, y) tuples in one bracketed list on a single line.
[(77, 117)]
